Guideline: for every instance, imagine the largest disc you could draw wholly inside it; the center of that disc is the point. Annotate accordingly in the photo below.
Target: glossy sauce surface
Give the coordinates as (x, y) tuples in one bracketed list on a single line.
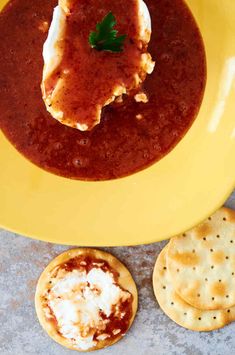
[(131, 136)]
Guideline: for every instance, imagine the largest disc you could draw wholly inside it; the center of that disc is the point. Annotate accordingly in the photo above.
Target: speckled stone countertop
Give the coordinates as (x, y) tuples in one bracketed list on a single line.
[(153, 333)]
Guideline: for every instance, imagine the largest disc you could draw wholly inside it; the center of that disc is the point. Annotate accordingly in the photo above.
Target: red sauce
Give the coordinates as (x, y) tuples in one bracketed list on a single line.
[(86, 262), (121, 144)]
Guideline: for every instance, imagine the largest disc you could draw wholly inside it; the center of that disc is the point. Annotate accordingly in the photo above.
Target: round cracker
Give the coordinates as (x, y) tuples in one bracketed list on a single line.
[(202, 262), (125, 281), (178, 310)]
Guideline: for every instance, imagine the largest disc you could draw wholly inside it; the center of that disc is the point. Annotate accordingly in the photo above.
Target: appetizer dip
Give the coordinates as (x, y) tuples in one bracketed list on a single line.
[(78, 80), (86, 299), (116, 112)]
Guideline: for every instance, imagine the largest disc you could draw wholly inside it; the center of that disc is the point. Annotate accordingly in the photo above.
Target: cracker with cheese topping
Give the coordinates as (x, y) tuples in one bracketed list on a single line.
[(86, 299)]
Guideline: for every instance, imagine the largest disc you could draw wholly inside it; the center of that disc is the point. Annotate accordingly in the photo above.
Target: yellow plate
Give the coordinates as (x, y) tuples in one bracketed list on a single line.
[(166, 199)]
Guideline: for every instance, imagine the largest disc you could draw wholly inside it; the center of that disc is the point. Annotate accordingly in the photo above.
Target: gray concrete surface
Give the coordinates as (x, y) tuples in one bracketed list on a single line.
[(153, 333)]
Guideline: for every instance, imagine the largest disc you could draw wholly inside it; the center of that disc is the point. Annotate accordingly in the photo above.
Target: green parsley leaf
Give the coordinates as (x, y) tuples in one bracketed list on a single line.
[(105, 37)]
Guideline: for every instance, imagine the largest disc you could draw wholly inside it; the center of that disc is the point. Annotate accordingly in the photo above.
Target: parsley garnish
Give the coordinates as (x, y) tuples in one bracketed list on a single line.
[(105, 37)]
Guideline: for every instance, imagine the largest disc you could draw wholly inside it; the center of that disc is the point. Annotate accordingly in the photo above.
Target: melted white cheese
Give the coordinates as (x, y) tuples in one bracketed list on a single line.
[(53, 55), (76, 300)]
